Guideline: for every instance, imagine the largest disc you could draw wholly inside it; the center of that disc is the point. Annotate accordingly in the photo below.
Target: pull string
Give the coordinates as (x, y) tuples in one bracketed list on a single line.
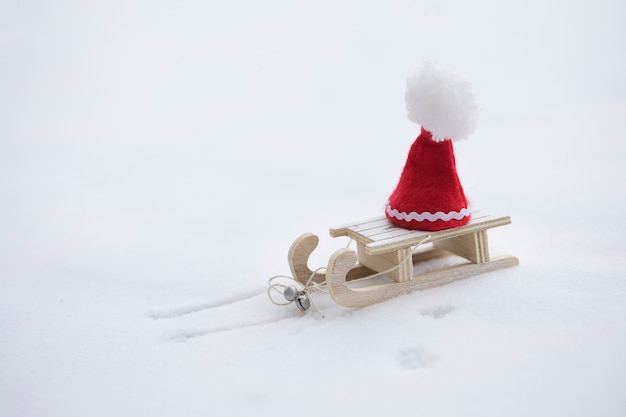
[(291, 294), (303, 297)]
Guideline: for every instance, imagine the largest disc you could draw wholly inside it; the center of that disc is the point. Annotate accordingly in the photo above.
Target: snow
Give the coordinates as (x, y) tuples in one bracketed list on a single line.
[(156, 162)]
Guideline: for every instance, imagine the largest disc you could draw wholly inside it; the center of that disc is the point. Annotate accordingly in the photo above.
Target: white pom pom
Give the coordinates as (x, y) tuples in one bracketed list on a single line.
[(442, 101)]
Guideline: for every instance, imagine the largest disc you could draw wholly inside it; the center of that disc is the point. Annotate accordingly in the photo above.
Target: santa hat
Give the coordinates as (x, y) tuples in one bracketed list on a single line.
[(429, 195)]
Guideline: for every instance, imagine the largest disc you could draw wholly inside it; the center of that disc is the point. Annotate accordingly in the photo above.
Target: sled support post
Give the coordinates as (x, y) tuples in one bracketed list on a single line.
[(474, 246), (400, 258)]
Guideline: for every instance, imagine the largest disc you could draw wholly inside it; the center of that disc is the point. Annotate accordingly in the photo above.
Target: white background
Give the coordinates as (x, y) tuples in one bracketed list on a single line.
[(158, 158)]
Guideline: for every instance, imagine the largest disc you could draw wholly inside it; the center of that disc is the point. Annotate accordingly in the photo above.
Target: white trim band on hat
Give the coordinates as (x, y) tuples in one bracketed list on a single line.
[(431, 217)]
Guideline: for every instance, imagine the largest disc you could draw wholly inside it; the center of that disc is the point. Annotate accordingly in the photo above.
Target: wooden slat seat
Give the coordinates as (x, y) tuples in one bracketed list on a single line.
[(382, 245)]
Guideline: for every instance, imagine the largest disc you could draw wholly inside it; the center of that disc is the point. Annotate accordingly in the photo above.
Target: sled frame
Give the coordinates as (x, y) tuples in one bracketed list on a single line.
[(382, 245)]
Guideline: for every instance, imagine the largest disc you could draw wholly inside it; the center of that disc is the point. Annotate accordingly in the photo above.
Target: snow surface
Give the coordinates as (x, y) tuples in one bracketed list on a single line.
[(157, 160)]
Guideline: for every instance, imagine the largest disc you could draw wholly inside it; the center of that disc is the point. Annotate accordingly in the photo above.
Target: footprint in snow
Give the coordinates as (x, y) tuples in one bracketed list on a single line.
[(410, 359), (437, 312)]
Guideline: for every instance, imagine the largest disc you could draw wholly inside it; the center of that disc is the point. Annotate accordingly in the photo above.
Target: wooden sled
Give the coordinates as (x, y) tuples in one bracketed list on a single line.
[(382, 246)]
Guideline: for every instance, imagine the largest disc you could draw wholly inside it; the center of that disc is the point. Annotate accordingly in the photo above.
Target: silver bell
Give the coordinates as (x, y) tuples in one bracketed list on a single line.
[(303, 301), (291, 293)]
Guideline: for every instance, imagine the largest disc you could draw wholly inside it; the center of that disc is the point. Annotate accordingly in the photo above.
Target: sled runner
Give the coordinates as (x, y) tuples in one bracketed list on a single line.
[(394, 251)]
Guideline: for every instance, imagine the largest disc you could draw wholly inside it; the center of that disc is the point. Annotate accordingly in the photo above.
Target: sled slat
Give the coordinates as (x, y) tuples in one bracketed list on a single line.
[(398, 233), (380, 236), (380, 224), (359, 227), (412, 239)]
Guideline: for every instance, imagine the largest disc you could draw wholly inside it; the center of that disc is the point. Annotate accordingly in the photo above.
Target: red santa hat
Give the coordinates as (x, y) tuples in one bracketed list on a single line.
[(429, 195)]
